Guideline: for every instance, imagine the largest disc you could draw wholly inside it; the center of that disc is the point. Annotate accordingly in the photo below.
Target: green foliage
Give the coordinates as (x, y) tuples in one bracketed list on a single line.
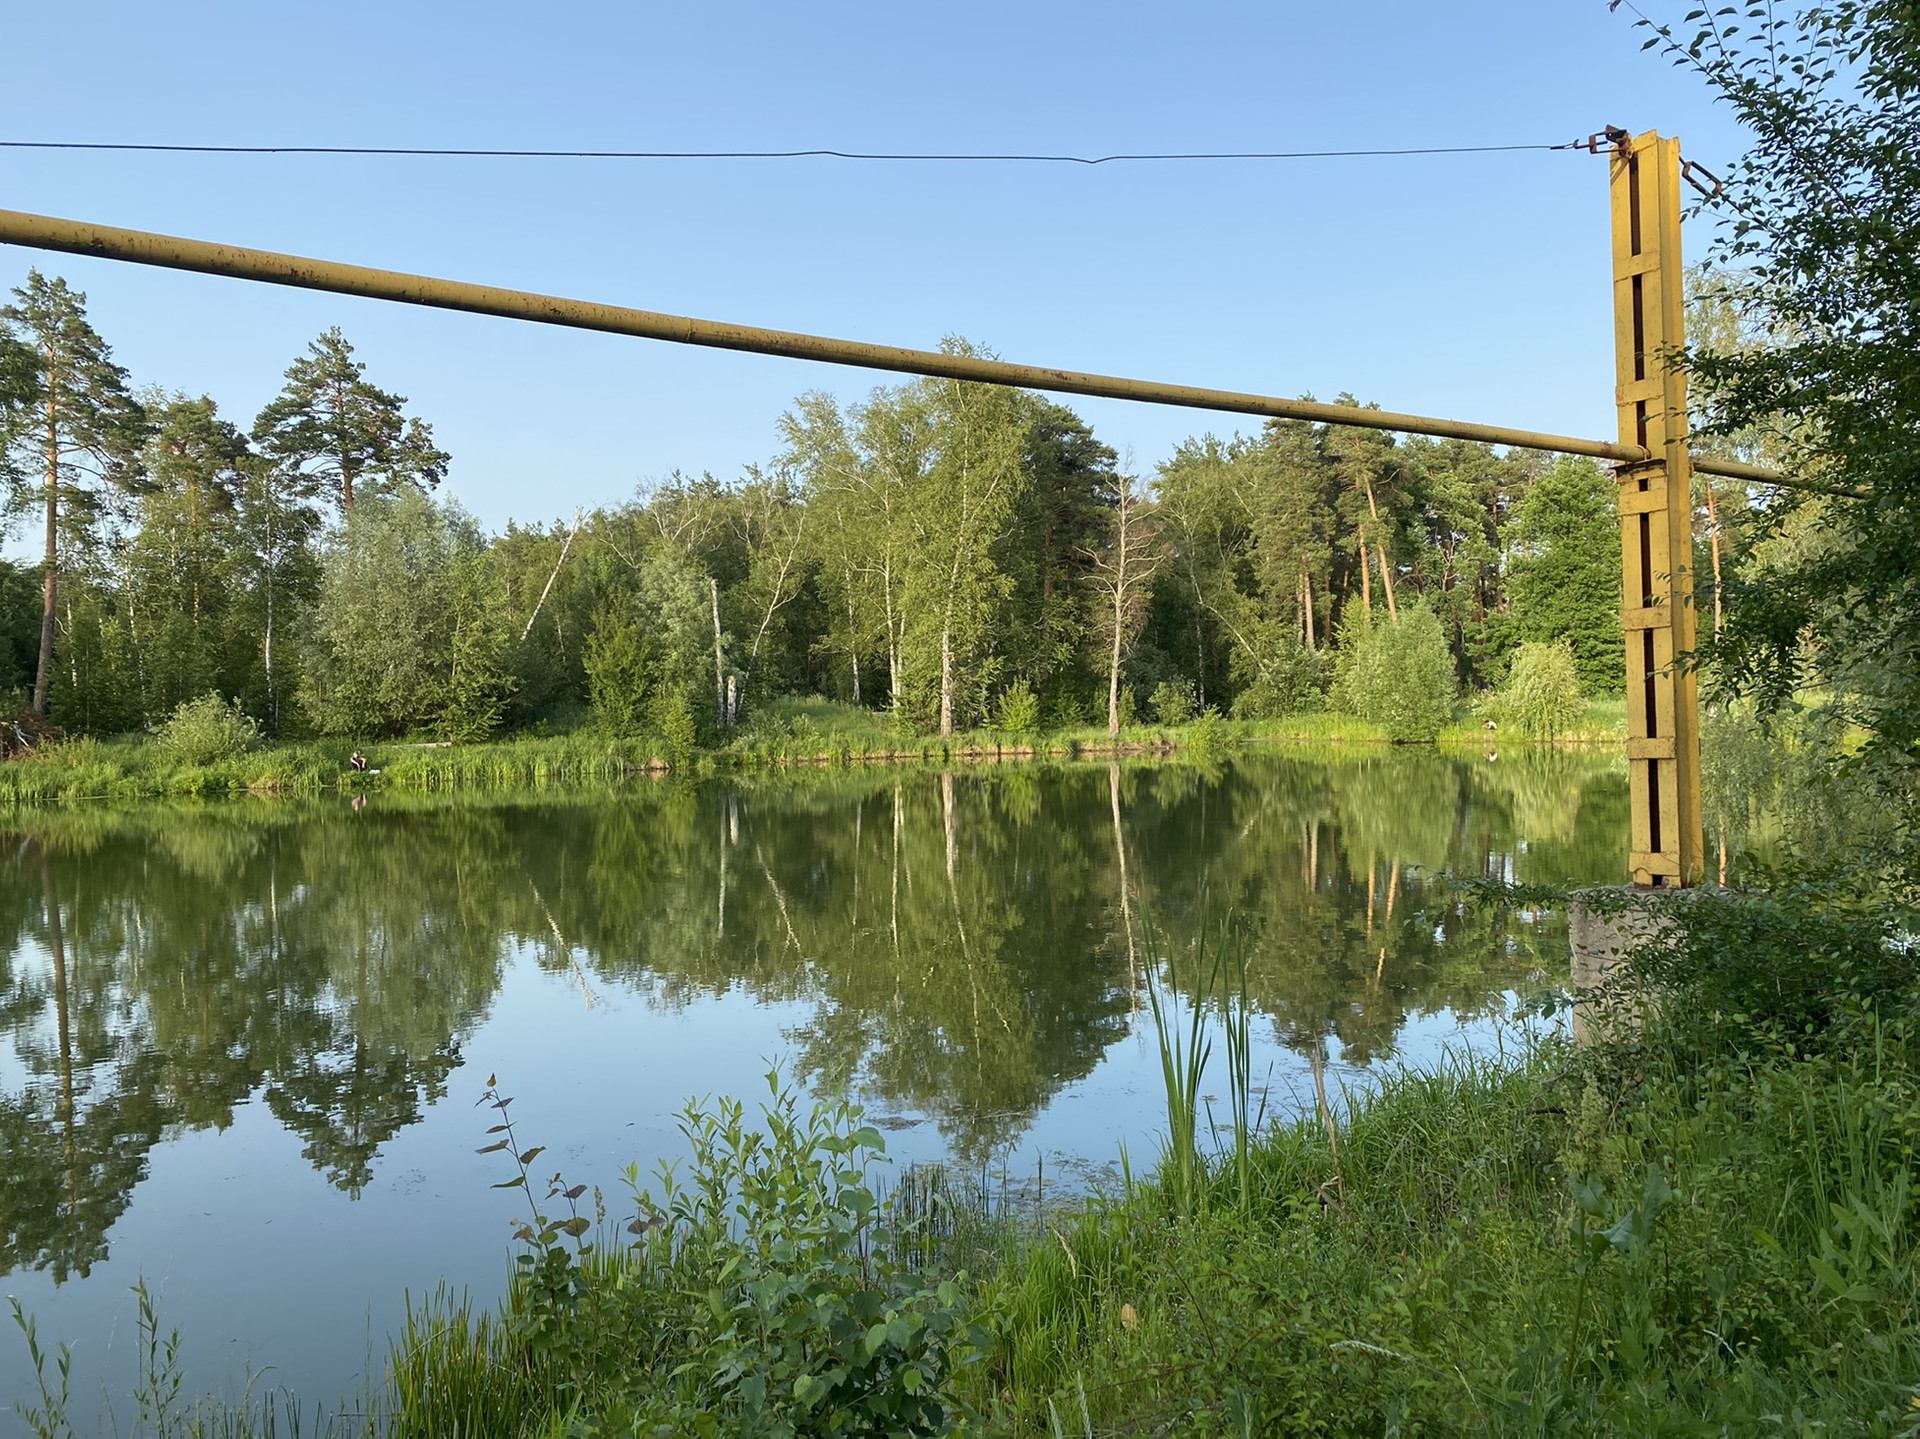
[(480, 682), (19, 629), (1018, 711), (1397, 674), (1565, 581), (1205, 736), (810, 1323), (920, 553), (70, 431), (1541, 697), (341, 438), (651, 660), (768, 1290), (409, 633), (1172, 702), (1281, 677), (1705, 1218), (1817, 375), (1186, 1047), (673, 720), (205, 730)]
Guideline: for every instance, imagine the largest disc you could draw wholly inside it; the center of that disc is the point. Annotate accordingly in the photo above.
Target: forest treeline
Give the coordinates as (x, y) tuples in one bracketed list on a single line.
[(959, 555)]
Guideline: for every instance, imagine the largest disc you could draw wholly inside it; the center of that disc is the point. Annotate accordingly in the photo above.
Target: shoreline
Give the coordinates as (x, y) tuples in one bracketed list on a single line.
[(136, 768)]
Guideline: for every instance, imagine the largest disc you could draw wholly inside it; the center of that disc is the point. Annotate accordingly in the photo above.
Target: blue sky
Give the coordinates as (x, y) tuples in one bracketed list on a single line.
[(1470, 286)]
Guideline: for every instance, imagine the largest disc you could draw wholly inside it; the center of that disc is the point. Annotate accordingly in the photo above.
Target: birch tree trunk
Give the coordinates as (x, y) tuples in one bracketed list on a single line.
[(43, 673)]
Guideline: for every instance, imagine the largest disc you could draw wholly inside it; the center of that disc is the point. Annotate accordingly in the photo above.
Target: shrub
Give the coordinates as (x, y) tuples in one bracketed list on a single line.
[(768, 1291), (1286, 678), (1019, 709), (205, 730), (674, 719), (1172, 702), (821, 1329), (1397, 673), (1205, 734), (1542, 694)]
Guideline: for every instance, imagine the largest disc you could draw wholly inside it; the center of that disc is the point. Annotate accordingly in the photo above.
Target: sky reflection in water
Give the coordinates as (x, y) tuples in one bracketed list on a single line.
[(243, 1041)]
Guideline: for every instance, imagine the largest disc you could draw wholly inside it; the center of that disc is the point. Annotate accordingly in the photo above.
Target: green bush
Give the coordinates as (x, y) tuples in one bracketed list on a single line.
[(1172, 702), (767, 1291), (674, 719), (1284, 678), (1206, 734), (1398, 673), (206, 730), (821, 1329), (1542, 694), (1019, 709)]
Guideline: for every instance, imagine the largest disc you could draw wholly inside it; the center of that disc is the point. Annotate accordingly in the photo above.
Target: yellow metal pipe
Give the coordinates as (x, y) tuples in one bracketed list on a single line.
[(141, 247)]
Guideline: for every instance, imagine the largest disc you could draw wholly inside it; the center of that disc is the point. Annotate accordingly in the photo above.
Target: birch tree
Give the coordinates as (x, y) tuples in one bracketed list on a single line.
[(1123, 574), (970, 493)]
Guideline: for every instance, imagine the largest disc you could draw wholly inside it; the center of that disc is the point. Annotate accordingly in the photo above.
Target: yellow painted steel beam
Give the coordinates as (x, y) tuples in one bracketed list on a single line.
[(1656, 514), (142, 247)]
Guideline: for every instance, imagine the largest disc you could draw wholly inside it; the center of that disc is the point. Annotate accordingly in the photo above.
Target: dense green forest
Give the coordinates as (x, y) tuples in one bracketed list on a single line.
[(957, 555)]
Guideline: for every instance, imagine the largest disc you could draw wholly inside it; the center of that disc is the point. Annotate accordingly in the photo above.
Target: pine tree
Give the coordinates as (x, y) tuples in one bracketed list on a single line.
[(1062, 519), (341, 434), (74, 432), (177, 564), (1565, 582)]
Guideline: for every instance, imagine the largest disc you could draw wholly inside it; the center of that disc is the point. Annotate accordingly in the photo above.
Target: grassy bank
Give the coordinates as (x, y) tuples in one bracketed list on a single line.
[(787, 732), (1704, 1223)]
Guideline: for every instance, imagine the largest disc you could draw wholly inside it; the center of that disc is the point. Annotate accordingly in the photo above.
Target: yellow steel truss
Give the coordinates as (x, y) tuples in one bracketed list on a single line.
[(1656, 513)]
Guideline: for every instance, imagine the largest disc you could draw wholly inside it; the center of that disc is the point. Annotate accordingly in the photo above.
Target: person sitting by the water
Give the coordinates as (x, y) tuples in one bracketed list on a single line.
[(358, 761)]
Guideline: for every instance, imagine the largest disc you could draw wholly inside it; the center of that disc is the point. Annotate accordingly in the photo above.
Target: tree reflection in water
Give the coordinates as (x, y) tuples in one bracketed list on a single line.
[(965, 943)]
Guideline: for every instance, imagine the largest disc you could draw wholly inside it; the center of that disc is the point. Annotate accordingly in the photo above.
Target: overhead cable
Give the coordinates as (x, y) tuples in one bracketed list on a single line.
[(475, 153)]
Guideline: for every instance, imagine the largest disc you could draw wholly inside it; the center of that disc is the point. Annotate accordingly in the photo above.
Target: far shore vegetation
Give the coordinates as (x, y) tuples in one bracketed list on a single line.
[(222, 758), (932, 566)]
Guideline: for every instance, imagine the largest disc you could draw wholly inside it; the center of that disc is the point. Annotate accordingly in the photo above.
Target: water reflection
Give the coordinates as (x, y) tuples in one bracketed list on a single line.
[(961, 945)]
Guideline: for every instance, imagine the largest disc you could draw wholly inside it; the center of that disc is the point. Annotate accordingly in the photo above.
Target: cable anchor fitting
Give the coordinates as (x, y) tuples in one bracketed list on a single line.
[(1693, 173)]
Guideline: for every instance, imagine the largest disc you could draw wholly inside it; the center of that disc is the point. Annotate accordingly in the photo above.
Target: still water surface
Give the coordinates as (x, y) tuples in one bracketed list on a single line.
[(242, 1042)]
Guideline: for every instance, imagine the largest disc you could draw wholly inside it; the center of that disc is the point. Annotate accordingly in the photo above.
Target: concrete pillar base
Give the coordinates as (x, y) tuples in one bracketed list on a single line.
[(1605, 924)]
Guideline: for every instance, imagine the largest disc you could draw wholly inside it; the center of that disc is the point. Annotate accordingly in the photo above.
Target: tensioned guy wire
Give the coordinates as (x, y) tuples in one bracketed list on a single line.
[(764, 154)]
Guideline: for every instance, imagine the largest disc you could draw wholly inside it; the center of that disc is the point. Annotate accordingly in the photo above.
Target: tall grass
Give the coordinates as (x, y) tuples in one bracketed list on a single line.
[(1186, 1049), (160, 1409), (781, 733)]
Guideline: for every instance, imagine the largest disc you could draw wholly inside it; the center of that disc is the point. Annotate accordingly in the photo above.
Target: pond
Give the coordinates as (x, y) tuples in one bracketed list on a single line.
[(244, 1041)]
